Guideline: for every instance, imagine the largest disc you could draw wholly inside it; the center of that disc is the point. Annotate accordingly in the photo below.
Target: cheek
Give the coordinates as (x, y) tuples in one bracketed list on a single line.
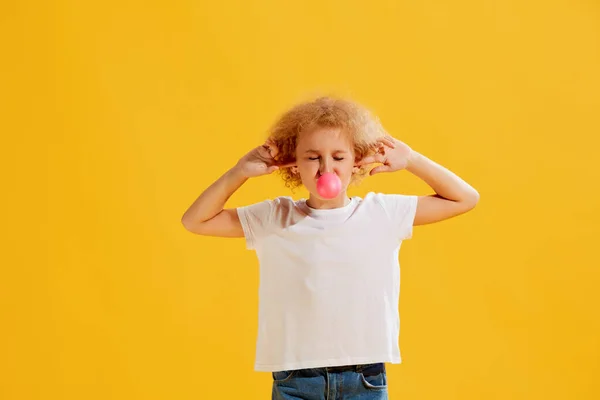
[(346, 168), (307, 169), (308, 166)]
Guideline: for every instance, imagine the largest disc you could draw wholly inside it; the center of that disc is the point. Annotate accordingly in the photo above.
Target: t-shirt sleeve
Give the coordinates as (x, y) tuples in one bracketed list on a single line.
[(401, 210), (256, 220)]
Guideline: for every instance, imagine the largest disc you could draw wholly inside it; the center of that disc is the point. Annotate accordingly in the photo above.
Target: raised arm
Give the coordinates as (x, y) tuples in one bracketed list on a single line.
[(453, 196), (207, 215)]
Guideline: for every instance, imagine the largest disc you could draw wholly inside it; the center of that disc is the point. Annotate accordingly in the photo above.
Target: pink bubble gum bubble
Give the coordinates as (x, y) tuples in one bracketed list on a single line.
[(329, 185)]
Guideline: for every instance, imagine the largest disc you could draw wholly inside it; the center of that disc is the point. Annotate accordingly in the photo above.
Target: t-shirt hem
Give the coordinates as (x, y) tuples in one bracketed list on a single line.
[(332, 362)]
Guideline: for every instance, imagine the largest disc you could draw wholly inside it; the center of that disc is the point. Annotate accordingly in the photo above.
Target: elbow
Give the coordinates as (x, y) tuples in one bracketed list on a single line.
[(472, 200), (188, 224), (185, 223)]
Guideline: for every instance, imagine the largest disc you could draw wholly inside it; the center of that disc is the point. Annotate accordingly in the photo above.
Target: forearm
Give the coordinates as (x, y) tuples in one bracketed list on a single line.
[(443, 181), (213, 199)]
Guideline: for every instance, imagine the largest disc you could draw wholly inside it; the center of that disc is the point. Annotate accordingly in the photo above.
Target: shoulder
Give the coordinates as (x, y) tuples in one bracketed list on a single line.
[(261, 218), (398, 210), (276, 201), (391, 205), (387, 200), (269, 207)]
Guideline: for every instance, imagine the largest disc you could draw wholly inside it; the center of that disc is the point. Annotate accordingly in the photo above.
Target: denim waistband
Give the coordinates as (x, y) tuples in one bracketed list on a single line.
[(355, 367)]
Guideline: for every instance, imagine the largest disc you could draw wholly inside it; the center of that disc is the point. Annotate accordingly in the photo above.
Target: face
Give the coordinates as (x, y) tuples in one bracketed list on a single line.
[(322, 150)]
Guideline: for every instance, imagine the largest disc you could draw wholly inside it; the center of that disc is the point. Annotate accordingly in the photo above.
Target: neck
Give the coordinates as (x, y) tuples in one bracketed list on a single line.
[(340, 201)]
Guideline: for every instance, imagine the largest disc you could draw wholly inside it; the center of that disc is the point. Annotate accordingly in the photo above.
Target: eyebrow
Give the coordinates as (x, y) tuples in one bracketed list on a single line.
[(335, 151)]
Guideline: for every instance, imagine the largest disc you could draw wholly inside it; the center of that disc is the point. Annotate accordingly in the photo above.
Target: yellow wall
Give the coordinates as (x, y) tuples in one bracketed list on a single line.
[(116, 115)]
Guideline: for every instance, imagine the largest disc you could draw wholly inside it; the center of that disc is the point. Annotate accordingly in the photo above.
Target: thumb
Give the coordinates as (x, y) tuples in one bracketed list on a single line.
[(381, 168)]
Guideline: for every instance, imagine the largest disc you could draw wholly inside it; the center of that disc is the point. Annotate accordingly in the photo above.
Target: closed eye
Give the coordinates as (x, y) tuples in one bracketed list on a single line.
[(335, 158)]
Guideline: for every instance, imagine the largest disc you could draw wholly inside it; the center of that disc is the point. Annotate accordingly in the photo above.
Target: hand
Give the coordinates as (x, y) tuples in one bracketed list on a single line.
[(391, 152), (261, 161)]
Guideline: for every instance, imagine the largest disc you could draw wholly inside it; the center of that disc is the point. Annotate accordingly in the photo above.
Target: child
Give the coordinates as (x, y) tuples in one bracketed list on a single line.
[(329, 270)]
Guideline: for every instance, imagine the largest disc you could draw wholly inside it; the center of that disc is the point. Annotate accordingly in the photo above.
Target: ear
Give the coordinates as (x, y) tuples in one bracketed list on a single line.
[(355, 169), (294, 170)]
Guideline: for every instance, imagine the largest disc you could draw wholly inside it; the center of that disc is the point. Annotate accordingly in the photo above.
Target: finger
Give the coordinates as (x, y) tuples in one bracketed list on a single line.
[(288, 164), (388, 141), (377, 170), (267, 144), (270, 145), (366, 160), (265, 151), (372, 159), (272, 169)]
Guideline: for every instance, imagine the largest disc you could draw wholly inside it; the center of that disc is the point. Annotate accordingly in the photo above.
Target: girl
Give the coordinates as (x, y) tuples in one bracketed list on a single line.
[(329, 269)]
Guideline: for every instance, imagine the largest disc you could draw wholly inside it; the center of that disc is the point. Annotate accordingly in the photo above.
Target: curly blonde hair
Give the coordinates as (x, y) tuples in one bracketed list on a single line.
[(356, 121)]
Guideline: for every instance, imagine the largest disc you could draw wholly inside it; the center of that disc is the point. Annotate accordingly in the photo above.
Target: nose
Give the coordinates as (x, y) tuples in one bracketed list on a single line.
[(325, 166)]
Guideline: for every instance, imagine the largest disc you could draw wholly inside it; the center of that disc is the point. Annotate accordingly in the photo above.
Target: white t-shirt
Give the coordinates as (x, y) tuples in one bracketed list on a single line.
[(329, 280)]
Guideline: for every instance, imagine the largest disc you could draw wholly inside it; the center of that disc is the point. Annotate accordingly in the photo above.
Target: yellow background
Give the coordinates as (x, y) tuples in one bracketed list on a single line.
[(115, 115)]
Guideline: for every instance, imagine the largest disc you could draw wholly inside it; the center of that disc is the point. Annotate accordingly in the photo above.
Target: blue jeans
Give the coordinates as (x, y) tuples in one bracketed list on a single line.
[(350, 382)]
